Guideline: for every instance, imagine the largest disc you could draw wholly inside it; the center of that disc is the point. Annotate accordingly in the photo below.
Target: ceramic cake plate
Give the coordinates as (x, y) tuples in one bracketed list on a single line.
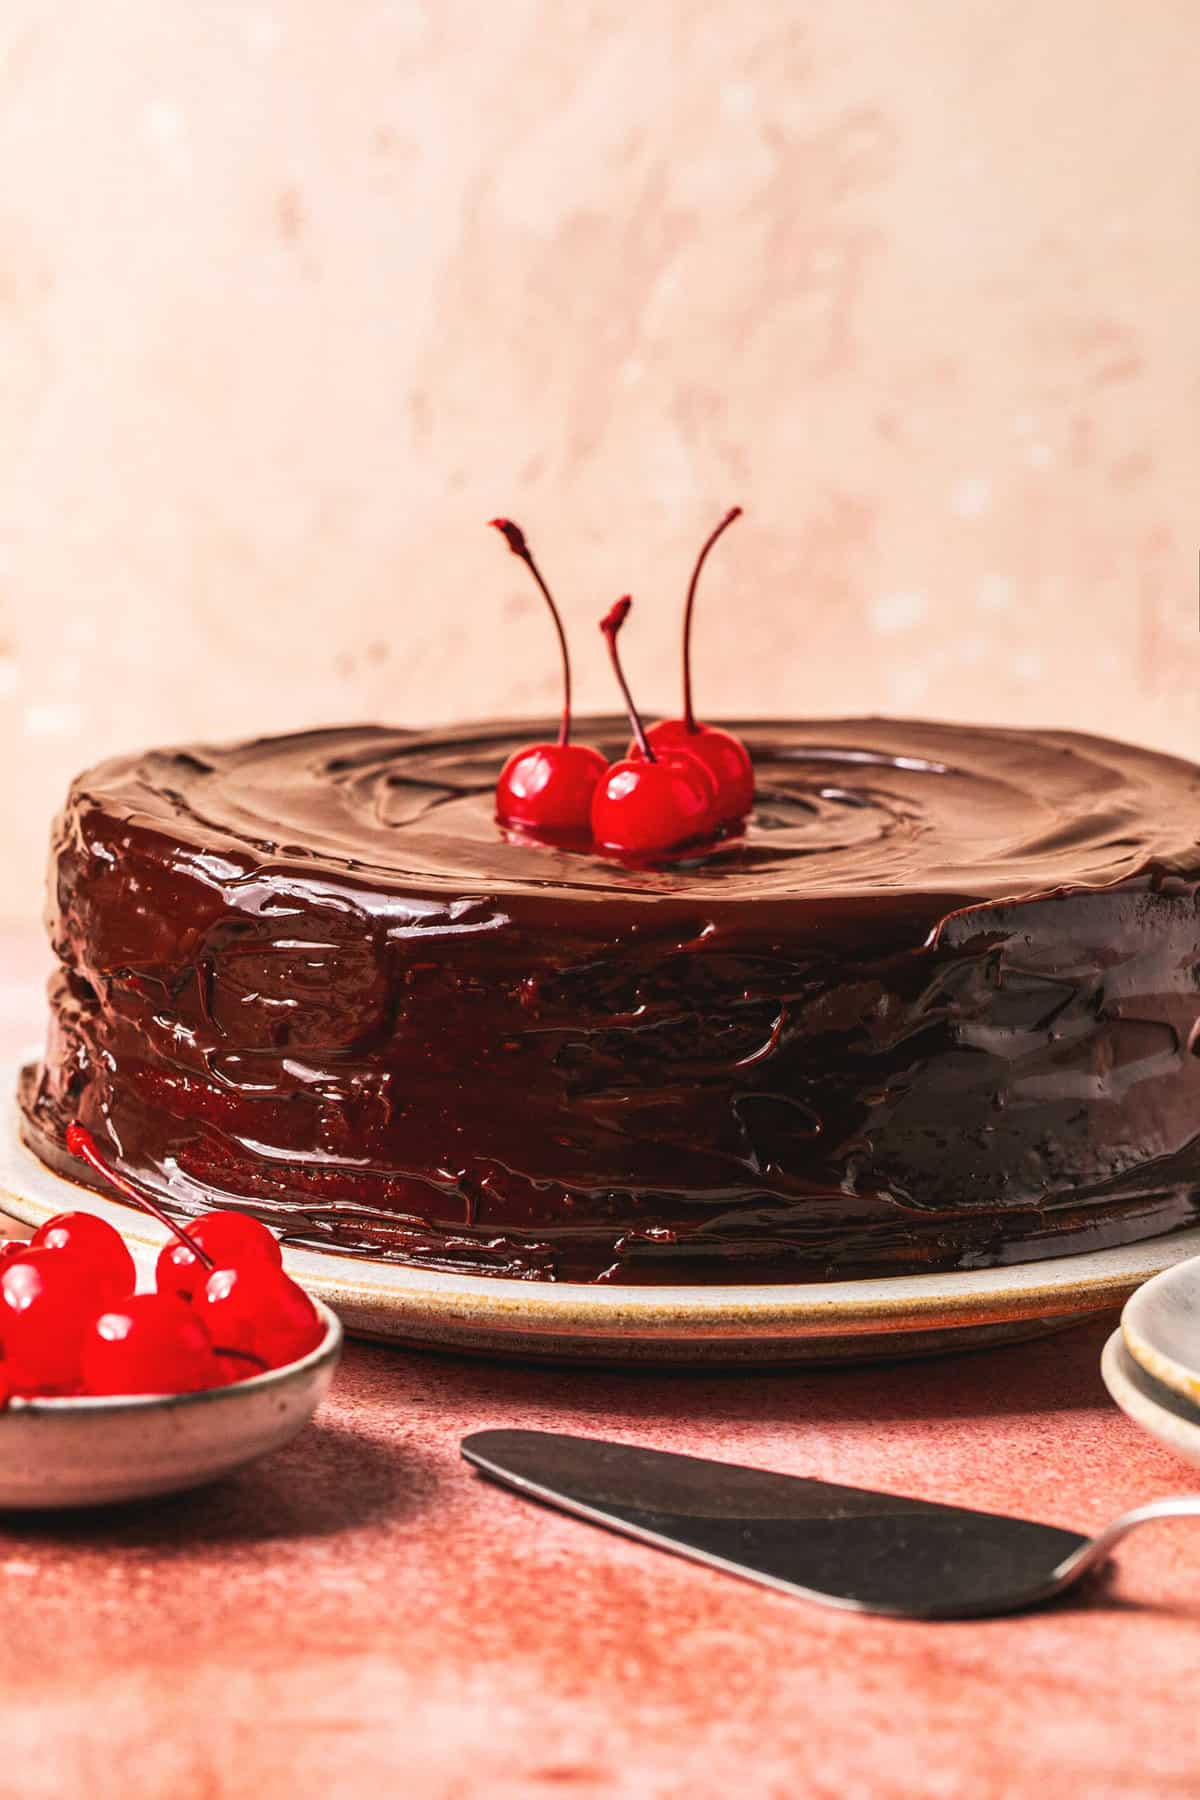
[(809, 1322)]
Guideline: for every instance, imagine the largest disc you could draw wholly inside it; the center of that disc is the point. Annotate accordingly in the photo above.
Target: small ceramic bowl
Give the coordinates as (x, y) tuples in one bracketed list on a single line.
[(90, 1452), (1174, 1422), (1161, 1328)]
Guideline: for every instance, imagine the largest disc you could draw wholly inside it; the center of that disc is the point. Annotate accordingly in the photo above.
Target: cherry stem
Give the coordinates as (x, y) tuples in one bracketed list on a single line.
[(247, 1356), (82, 1144), (514, 537), (610, 625), (689, 716)]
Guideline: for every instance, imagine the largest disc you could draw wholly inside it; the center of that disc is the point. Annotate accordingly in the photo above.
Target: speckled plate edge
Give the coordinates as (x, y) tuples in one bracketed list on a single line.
[(1174, 1430), (806, 1322), (1161, 1328)]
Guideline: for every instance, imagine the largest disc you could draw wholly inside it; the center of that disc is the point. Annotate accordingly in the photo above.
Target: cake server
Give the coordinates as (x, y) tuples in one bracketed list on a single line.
[(844, 1546)]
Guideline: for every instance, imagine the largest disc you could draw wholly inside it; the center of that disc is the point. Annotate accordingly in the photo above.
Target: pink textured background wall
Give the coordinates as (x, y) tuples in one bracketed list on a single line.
[(293, 296)]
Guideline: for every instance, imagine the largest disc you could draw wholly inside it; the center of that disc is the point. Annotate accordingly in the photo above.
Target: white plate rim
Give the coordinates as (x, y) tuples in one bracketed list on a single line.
[(1139, 1329), (1166, 1428)]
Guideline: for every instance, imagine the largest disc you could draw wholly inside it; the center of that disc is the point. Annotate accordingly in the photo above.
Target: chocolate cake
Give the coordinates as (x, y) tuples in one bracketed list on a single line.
[(936, 1006)]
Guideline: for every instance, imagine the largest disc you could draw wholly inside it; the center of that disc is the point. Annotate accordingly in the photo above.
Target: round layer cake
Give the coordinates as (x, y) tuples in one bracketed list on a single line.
[(936, 1007)]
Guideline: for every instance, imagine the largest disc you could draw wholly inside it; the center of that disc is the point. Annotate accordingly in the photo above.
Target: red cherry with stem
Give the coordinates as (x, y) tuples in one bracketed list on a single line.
[(259, 1310), (150, 1344), (262, 1284), (46, 1305), (650, 800), (98, 1248), (547, 787), (238, 1365), (723, 754), (229, 1239), (81, 1143)]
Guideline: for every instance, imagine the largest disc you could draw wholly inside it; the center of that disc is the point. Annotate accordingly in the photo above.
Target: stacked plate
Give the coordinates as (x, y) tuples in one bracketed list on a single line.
[(1151, 1364)]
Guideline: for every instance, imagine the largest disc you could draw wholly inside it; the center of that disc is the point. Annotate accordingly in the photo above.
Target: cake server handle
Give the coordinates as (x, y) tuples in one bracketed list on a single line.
[(1100, 1548)]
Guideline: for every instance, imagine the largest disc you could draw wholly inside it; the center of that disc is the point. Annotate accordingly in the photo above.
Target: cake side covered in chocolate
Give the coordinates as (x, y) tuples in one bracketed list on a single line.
[(937, 1007)]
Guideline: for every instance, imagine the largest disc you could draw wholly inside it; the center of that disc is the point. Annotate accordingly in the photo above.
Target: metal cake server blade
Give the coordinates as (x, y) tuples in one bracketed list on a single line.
[(842, 1546)]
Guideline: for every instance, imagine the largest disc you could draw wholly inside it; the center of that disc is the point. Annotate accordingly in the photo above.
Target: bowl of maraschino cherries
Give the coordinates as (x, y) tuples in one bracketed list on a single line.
[(110, 1393), (680, 788)]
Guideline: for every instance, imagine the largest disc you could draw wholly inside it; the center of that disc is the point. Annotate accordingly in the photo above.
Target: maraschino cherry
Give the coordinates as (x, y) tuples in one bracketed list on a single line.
[(71, 1323), (216, 1240), (655, 798), (547, 787), (82, 1144), (261, 1312), (149, 1344), (228, 1268), (228, 1239), (723, 755), (96, 1247), (46, 1305)]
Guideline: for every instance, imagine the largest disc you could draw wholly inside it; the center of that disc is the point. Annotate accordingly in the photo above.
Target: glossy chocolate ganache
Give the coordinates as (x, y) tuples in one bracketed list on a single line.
[(936, 1007)]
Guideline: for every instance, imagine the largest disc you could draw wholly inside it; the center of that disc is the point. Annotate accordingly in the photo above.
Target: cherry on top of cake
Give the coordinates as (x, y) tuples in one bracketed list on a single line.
[(722, 753), (547, 787), (680, 785), (650, 799)]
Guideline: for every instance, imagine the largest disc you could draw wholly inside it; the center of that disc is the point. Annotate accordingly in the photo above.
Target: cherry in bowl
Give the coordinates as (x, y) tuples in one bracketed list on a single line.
[(98, 1449), (107, 1398), (225, 1240)]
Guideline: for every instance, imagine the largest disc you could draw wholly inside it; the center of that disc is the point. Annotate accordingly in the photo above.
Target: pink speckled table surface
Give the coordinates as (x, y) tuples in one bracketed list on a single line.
[(360, 1615)]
